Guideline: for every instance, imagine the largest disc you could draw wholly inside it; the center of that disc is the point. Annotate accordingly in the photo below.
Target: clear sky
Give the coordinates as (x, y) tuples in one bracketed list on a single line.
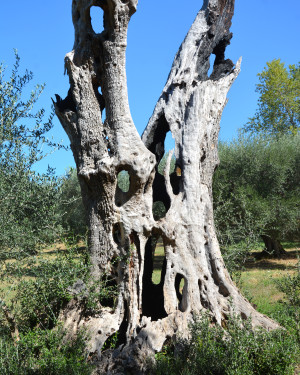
[(42, 32)]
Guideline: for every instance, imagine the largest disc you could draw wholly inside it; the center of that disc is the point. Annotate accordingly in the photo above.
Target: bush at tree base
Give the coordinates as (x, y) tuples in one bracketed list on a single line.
[(238, 349)]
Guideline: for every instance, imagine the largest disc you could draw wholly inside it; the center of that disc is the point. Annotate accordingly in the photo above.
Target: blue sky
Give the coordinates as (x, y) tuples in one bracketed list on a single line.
[(42, 32)]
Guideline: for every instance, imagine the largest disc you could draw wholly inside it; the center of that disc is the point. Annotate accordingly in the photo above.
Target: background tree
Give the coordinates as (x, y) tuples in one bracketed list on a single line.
[(279, 100), (27, 199), (256, 191), (122, 229), (70, 206)]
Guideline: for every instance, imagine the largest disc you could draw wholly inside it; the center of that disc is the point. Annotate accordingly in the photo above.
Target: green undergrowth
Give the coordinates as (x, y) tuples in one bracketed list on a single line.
[(43, 352), (237, 350), (34, 290)]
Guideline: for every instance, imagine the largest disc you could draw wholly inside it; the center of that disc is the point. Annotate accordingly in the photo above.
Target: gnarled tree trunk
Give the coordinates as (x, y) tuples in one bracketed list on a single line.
[(273, 246), (122, 228)]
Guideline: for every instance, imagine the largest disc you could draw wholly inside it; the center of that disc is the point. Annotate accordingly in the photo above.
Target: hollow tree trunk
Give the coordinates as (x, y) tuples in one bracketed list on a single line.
[(273, 246), (122, 229)]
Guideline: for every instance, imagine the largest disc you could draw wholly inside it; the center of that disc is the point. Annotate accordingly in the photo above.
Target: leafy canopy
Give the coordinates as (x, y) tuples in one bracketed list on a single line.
[(27, 199), (278, 109), (256, 189)]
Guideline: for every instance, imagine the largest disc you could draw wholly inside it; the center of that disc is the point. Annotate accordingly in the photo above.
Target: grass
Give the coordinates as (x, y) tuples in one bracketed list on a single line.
[(29, 267), (258, 280), (158, 262), (257, 283)]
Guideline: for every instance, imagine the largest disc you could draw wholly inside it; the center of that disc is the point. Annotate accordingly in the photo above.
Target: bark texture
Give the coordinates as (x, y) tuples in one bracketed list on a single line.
[(123, 231)]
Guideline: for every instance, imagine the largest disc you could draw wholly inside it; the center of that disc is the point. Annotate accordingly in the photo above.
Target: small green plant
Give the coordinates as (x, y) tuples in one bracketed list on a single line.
[(100, 293), (111, 342)]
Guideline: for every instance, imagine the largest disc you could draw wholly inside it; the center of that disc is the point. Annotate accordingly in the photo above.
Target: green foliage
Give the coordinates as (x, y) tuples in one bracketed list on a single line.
[(70, 207), (278, 104), (256, 191), (43, 352), (27, 199), (236, 350), (111, 342), (41, 286), (290, 312)]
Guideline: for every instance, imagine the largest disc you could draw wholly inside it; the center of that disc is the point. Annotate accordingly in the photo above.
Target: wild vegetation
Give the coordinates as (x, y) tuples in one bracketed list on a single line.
[(256, 193)]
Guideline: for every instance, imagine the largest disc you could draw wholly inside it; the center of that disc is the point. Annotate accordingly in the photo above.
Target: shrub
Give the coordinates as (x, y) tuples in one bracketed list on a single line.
[(235, 350), (43, 352), (40, 285), (289, 314)]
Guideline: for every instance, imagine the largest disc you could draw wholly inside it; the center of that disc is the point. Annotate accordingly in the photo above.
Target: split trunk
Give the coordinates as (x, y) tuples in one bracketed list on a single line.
[(122, 229)]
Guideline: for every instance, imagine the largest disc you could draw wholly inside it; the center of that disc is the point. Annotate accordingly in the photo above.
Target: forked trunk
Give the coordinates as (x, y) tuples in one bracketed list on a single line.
[(123, 231)]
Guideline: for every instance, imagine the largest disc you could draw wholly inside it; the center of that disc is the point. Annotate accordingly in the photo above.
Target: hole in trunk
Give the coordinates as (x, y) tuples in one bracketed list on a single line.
[(124, 189), (117, 233), (217, 280), (152, 295), (108, 291), (123, 327), (158, 261), (212, 58), (96, 14), (101, 102), (175, 167), (157, 145), (135, 246), (162, 164), (161, 199), (181, 291), (117, 338), (169, 142), (244, 316), (124, 181), (159, 210), (202, 292), (175, 173), (103, 115)]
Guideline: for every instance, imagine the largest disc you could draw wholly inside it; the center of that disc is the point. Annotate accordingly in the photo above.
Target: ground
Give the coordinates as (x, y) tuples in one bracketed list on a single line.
[(257, 281)]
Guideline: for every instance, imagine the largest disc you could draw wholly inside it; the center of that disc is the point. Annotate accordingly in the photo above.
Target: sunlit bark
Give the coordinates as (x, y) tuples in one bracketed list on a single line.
[(123, 231)]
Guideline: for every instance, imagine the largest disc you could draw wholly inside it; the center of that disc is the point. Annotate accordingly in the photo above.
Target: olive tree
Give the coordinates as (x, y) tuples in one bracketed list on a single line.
[(27, 198), (122, 229), (256, 191)]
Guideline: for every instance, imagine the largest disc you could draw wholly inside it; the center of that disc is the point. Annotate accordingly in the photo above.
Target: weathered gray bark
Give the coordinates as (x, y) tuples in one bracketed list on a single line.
[(122, 228)]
